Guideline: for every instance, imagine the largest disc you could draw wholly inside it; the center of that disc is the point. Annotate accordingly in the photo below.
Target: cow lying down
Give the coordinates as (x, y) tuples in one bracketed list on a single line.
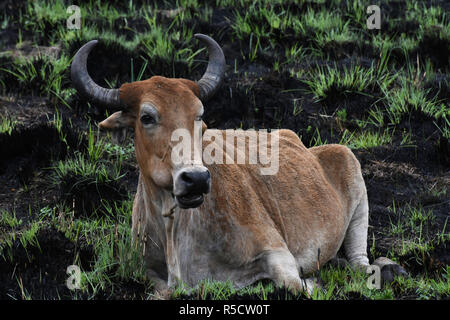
[(230, 220)]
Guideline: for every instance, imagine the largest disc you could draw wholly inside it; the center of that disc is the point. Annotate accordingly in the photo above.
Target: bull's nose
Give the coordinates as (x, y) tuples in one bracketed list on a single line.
[(190, 184), (197, 182)]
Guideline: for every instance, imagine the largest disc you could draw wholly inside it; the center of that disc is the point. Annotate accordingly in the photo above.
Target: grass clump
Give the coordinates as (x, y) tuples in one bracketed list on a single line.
[(411, 219), (332, 83), (7, 125), (9, 220), (415, 245), (85, 183), (327, 82), (116, 258), (87, 179), (42, 76), (367, 139), (408, 98)]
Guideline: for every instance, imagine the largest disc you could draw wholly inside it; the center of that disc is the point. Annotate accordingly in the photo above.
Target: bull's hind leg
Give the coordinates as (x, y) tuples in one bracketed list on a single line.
[(355, 242)]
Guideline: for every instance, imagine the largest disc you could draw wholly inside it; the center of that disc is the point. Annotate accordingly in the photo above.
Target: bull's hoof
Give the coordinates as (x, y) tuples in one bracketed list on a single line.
[(389, 269)]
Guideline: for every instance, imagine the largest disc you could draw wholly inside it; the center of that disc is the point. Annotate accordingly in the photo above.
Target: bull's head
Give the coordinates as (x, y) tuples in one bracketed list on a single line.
[(155, 108)]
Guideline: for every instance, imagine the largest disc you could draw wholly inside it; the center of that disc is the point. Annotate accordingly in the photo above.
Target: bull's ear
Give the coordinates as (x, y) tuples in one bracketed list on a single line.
[(118, 120), (119, 123)]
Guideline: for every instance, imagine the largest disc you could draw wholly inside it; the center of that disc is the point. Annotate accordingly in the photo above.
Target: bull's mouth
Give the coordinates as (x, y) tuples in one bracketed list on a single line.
[(189, 200)]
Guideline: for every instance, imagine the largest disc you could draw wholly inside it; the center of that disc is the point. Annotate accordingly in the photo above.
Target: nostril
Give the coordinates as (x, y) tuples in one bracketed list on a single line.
[(186, 178)]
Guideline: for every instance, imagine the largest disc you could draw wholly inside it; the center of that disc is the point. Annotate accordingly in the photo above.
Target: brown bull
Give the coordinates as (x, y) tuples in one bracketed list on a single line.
[(229, 221)]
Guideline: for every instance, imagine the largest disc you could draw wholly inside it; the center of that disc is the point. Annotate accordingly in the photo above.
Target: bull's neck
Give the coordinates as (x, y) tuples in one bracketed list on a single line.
[(159, 199), (158, 204)]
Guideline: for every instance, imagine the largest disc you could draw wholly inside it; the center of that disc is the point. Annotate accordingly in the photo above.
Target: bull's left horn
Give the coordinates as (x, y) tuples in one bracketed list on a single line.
[(84, 83), (211, 80)]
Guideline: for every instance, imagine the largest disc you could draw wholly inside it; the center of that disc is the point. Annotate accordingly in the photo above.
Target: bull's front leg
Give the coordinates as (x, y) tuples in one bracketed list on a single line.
[(152, 249), (156, 269), (281, 267)]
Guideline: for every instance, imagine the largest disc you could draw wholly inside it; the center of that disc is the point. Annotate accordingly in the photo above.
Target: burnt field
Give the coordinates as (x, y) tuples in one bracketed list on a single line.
[(66, 189)]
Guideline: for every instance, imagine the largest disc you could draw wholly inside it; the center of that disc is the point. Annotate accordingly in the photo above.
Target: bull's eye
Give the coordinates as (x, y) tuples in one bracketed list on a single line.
[(147, 119)]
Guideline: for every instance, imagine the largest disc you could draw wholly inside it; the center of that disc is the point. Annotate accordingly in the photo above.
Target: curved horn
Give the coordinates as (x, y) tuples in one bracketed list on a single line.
[(84, 83), (211, 80)]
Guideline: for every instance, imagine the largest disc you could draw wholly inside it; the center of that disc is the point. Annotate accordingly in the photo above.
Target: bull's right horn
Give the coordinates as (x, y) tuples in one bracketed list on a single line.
[(84, 83), (211, 80)]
